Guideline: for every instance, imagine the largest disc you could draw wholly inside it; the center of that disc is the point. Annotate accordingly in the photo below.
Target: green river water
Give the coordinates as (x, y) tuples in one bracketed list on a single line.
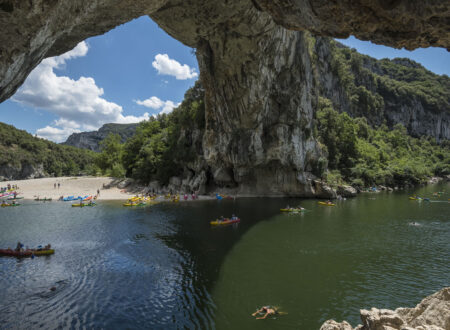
[(165, 267)]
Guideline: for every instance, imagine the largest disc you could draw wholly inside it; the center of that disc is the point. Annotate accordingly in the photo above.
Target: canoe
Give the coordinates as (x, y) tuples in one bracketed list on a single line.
[(26, 253), (225, 222), (128, 204), (326, 204), (44, 252), (6, 205), (292, 210), (13, 253), (82, 205)]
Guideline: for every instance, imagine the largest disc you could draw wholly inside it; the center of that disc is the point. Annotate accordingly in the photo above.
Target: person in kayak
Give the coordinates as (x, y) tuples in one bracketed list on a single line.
[(19, 247), (221, 219), (233, 217), (266, 310)]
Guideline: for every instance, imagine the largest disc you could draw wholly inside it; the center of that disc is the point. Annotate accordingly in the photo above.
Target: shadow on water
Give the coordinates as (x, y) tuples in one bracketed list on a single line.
[(165, 267)]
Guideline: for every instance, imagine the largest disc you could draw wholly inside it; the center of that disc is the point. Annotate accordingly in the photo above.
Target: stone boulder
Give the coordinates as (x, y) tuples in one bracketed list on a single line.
[(432, 313), (346, 191)]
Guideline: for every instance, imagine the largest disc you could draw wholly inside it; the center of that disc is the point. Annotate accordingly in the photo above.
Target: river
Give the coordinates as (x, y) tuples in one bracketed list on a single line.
[(164, 267)]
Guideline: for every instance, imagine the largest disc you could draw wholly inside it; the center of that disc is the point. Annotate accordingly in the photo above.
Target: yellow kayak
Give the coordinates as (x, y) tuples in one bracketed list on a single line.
[(415, 198), (326, 204), (292, 210), (43, 252), (82, 205), (129, 204)]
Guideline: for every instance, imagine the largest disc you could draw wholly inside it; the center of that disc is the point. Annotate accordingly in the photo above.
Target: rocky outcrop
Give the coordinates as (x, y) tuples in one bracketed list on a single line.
[(34, 30), (260, 88), (396, 23), (24, 171), (91, 140), (432, 313), (390, 99)]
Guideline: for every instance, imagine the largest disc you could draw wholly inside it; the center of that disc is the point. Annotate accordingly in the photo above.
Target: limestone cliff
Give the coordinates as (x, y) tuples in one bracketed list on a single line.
[(260, 89), (91, 140), (432, 313), (398, 91)]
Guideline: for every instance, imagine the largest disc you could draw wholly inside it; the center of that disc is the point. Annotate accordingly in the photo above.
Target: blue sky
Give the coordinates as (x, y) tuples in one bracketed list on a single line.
[(128, 74)]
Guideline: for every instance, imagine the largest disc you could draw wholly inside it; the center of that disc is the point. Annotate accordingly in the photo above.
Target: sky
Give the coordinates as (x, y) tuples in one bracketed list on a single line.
[(127, 75)]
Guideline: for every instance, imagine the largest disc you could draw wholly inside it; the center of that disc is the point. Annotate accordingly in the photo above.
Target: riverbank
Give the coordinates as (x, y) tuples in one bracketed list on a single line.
[(121, 189), (75, 186)]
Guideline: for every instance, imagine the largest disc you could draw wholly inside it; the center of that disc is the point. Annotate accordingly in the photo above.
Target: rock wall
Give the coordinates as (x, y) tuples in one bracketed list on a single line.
[(416, 115), (91, 140), (24, 171), (257, 72), (432, 313), (34, 30)]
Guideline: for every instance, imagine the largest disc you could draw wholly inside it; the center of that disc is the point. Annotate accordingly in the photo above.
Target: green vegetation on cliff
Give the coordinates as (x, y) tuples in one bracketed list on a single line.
[(160, 146), (371, 84), (19, 148), (362, 156)]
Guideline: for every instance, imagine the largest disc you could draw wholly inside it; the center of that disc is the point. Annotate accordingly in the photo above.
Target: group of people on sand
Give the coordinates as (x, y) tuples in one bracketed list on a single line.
[(54, 185), (9, 187)]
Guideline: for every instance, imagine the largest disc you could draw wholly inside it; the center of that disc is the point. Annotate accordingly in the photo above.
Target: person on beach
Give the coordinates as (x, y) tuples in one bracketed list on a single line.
[(59, 185), (98, 192), (266, 310), (54, 185)]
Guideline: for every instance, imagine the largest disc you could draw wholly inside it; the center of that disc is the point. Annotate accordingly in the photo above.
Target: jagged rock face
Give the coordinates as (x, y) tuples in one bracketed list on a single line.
[(418, 117), (396, 23), (432, 313), (260, 92), (24, 171), (34, 30), (91, 140)]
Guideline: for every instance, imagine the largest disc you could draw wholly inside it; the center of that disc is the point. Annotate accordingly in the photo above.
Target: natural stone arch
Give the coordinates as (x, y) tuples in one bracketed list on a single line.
[(257, 74)]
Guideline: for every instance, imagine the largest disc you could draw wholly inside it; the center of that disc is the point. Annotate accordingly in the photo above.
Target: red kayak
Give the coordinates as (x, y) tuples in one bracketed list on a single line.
[(14, 253)]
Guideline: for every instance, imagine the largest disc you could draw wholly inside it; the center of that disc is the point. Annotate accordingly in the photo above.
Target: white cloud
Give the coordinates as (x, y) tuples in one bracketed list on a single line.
[(165, 65), (55, 134), (158, 104), (77, 103), (152, 102)]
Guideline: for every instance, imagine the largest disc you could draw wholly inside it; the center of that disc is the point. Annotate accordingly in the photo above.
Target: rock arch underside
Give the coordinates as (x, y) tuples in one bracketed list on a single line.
[(259, 79)]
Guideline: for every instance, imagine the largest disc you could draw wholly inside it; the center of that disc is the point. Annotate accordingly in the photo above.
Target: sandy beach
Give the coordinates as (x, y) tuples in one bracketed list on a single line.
[(75, 186), (69, 186)]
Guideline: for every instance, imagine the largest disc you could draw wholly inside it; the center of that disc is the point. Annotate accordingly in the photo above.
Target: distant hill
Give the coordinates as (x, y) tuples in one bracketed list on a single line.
[(91, 140), (23, 156)]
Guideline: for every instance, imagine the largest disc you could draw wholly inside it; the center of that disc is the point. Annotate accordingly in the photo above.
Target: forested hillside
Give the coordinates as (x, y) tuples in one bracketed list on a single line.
[(25, 156)]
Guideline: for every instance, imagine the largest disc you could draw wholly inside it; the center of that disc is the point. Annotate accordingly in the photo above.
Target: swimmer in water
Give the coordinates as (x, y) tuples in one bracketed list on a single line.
[(266, 310)]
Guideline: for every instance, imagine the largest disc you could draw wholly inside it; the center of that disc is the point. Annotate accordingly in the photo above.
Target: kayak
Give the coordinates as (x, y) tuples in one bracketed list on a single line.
[(415, 198), (68, 199), (13, 253), (129, 204), (26, 253), (292, 210), (12, 198), (225, 222), (43, 199), (326, 204), (44, 252), (81, 205), (6, 205)]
